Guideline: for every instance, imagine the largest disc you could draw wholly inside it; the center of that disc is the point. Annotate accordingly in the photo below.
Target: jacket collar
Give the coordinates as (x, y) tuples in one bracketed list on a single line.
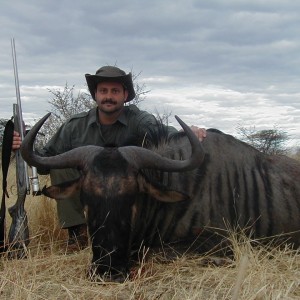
[(93, 117)]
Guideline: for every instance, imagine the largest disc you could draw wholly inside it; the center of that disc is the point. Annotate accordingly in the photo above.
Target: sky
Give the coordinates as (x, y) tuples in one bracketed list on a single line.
[(215, 63)]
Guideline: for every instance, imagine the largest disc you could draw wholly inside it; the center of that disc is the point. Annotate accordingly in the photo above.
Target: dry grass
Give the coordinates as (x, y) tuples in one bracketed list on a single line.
[(48, 273)]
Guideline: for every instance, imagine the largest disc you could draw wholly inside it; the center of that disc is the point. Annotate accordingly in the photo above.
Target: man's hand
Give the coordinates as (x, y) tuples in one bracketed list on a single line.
[(199, 132), (16, 144)]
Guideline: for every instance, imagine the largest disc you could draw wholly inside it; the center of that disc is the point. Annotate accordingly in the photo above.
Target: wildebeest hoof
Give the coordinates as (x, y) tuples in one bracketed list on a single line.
[(94, 275)]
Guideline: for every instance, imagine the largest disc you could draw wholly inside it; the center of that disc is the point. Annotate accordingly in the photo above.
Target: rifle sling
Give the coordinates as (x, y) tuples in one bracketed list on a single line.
[(6, 153)]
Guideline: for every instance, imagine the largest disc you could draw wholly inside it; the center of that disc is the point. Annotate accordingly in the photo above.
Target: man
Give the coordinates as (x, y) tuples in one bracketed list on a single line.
[(110, 123)]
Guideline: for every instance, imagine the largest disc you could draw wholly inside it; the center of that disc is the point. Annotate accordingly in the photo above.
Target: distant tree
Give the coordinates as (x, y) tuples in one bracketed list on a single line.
[(140, 90), (269, 141), (63, 104)]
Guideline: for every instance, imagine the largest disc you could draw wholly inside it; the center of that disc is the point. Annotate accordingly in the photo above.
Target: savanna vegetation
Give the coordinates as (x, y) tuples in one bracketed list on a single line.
[(254, 271), (48, 272)]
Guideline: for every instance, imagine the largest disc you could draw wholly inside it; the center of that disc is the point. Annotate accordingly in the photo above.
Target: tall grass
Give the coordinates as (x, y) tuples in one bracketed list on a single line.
[(49, 273)]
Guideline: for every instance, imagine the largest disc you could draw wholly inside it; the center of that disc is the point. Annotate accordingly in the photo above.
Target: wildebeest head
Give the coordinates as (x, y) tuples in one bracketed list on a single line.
[(109, 183)]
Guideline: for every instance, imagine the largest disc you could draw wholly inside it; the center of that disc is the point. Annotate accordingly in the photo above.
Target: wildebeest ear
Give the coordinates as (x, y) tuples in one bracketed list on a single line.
[(63, 190), (160, 193)]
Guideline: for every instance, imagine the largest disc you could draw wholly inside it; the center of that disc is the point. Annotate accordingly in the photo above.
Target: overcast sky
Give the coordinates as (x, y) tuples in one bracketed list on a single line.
[(220, 64)]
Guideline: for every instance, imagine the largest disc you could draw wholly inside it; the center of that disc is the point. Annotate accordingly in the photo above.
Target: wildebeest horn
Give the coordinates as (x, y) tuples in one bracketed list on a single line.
[(143, 158), (137, 156), (71, 159)]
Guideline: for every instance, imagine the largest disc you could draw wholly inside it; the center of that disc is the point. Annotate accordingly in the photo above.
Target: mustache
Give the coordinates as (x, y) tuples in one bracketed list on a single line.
[(109, 101)]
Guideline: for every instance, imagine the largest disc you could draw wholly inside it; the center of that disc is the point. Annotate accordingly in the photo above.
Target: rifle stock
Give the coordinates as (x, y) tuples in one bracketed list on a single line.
[(18, 238)]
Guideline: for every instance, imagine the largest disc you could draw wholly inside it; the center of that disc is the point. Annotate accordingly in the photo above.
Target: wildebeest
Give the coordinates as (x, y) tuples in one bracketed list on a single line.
[(174, 193)]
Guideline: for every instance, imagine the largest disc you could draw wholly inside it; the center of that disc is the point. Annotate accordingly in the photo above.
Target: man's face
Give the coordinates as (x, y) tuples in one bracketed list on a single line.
[(110, 96)]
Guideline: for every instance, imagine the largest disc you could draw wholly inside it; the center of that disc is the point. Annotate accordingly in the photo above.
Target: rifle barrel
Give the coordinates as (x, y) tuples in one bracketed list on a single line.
[(14, 56), (18, 109)]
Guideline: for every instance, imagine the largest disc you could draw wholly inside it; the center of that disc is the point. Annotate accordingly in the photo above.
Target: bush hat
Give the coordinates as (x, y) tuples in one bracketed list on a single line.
[(113, 74)]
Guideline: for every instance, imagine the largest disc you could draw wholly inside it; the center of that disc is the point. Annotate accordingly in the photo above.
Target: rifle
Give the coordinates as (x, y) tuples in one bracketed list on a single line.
[(18, 238)]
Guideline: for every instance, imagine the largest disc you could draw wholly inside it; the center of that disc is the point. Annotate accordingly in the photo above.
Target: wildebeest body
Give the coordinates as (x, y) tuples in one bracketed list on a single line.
[(233, 186)]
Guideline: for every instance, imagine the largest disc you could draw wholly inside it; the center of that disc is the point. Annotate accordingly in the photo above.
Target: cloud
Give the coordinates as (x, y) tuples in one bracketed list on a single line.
[(218, 62)]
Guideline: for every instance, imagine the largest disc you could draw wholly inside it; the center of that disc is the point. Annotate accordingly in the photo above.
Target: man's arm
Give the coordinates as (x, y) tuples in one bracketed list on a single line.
[(199, 132)]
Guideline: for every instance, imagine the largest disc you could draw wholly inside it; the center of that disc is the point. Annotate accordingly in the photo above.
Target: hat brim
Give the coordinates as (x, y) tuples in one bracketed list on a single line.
[(126, 80)]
